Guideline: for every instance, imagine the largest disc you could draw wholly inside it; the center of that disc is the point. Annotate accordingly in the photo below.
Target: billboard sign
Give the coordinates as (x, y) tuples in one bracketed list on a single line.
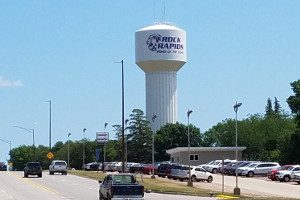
[(102, 137)]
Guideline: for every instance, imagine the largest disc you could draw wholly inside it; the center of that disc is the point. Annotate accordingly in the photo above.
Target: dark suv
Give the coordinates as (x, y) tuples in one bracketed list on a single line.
[(33, 168), (165, 169)]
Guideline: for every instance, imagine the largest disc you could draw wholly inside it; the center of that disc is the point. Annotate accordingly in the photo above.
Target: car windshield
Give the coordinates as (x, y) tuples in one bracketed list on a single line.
[(290, 168), (33, 164), (252, 165), (60, 163), (122, 179)]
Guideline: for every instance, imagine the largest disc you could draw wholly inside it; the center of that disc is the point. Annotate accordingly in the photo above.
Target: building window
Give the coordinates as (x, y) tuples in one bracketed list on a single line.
[(194, 157)]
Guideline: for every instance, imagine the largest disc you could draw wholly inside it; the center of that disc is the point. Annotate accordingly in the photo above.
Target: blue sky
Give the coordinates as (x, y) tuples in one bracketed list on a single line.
[(64, 51)]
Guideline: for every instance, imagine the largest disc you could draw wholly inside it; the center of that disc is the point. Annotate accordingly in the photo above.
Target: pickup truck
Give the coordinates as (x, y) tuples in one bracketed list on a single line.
[(120, 186)]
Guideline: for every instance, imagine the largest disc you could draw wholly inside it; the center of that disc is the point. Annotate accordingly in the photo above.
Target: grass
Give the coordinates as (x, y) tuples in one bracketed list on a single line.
[(160, 186)]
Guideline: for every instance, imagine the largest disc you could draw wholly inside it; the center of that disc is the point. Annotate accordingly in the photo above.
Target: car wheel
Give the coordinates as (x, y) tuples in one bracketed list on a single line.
[(181, 179), (298, 182), (286, 178), (40, 175), (101, 196), (51, 173), (193, 178), (214, 171), (209, 179), (250, 174)]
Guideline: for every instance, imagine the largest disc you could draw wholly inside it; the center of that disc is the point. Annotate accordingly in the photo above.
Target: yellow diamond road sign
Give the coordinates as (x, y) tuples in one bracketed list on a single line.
[(50, 155)]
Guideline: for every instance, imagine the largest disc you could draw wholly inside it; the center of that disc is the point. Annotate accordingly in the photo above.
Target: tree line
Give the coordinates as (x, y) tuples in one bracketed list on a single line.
[(271, 136)]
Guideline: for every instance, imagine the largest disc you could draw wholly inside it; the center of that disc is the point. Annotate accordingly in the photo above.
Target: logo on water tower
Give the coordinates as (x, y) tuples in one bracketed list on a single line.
[(164, 44)]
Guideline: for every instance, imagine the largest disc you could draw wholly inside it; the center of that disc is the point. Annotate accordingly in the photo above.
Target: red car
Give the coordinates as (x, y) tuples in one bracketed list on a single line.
[(147, 169), (271, 174)]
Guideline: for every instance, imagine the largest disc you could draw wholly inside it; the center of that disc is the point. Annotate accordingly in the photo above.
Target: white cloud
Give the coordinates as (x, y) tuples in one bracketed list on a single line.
[(5, 83)]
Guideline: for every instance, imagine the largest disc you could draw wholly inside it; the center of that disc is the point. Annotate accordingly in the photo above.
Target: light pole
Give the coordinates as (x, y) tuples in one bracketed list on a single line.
[(236, 190), (153, 120), (190, 183), (83, 152), (30, 131), (126, 150), (104, 150), (123, 136), (69, 149), (49, 124)]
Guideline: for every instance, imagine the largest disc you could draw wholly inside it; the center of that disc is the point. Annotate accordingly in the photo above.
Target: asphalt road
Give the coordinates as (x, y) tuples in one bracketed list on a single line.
[(60, 187)]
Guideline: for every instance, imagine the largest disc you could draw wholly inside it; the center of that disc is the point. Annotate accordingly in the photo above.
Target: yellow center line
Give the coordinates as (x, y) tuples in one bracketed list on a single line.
[(226, 197), (37, 185)]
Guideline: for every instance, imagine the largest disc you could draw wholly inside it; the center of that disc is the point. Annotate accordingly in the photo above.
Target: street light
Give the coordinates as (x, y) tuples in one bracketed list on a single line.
[(190, 183), (126, 149), (123, 136), (83, 131), (30, 131), (69, 149), (236, 190), (153, 120), (49, 124), (104, 150)]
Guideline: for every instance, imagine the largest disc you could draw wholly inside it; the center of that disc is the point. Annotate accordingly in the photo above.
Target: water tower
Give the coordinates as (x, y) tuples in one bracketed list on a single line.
[(160, 51)]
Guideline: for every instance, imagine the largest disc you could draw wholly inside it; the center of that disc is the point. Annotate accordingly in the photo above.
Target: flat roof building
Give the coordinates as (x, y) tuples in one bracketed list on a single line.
[(202, 155)]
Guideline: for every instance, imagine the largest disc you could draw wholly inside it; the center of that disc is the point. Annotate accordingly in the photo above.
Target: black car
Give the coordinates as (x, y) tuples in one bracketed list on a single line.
[(3, 166), (33, 168)]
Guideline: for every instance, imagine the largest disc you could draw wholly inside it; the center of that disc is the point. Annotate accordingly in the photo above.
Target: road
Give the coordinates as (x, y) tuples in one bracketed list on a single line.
[(59, 187)]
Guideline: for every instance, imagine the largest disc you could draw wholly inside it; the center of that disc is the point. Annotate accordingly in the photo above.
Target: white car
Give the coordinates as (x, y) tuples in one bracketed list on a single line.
[(59, 166), (258, 169), (212, 166), (216, 165), (200, 174), (287, 175), (297, 177)]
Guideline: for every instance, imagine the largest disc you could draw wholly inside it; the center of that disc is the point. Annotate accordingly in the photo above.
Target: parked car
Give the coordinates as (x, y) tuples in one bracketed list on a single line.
[(3, 166), (200, 174), (93, 166), (161, 170), (33, 168), (148, 169), (58, 166), (272, 174), (120, 186), (183, 173), (169, 169), (174, 172), (288, 174), (259, 169), (221, 167), (136, 168), (297, 177), (243, 165)]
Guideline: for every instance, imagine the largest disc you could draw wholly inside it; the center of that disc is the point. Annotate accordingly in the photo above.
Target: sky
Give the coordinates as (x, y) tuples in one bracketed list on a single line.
[(65, 51)]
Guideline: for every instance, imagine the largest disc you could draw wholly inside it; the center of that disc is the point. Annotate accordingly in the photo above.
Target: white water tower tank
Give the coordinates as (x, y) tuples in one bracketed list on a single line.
[(160, 51)]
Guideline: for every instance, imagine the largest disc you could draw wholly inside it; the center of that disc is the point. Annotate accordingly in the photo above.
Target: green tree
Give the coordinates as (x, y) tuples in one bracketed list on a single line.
[(269, 108), (294, 101), (139, 139), (277, 107), (293, 154), (175, 135)]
